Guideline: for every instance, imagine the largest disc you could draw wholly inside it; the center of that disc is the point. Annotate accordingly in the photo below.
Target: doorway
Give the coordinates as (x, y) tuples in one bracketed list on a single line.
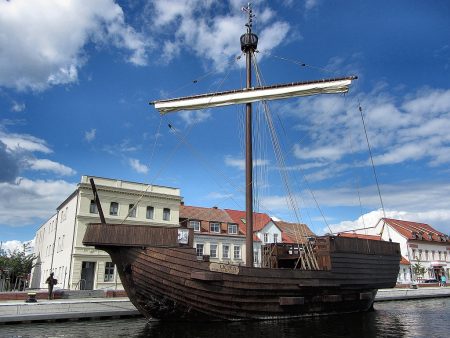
[(87, 275)]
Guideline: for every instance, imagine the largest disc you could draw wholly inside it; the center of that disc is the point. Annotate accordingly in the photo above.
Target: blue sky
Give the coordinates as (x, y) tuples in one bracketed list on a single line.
[(76, 78)]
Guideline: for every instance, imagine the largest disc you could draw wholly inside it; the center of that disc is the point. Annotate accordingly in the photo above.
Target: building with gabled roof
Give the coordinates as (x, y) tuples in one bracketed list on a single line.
[(294, 232), (264, 228), (216, 234), (421, 246)]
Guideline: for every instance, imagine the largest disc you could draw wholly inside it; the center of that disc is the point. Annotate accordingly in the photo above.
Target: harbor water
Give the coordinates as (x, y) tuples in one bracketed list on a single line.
[(415, 318)]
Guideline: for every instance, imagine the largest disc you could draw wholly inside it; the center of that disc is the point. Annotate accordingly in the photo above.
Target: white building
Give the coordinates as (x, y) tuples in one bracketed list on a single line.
[(59, 247), (420, 245)]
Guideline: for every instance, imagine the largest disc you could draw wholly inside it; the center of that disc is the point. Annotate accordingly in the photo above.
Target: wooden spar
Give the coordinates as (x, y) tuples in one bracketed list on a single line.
[(249, 48), (97, 201)]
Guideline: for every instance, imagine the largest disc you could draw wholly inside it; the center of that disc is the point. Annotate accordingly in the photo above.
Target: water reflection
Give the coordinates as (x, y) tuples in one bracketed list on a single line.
[(426, 318), (348, 325)]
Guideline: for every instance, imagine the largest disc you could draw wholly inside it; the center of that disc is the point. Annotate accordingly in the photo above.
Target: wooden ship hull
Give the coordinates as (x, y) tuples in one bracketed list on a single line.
[(166, 280)]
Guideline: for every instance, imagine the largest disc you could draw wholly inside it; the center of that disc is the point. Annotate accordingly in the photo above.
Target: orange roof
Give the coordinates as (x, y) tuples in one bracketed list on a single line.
[(259, 219), (362, 236), (294, 232), (416, 231), (204, 214), (404, 261)]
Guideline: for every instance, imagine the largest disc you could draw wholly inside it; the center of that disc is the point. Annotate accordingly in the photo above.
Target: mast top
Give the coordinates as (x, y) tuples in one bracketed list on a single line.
[(249, 40)]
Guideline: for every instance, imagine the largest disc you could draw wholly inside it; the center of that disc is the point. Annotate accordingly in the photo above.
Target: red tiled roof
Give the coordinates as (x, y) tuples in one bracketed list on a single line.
[(259, 219), (404, 261), (294, 232), (407, 228), (362, 236), (204, 214)]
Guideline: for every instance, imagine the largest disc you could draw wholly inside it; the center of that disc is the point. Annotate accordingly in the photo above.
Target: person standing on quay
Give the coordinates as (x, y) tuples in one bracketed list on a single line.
[(443, 280), (51, 282)]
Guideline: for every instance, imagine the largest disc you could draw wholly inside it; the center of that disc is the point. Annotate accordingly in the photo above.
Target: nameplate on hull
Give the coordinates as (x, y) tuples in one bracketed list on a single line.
[(225, 268)]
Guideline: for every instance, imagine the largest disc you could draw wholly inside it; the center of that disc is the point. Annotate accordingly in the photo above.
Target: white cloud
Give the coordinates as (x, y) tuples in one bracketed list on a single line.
[(194, 116), (202, 27), (48, 165), (310, 4), (417, 202), (401, 130), (47, 39), (89, 136), (219, 196), (11, 246), (27, 202), (24, 142), (138, 166), (239, 163), (18, 107)]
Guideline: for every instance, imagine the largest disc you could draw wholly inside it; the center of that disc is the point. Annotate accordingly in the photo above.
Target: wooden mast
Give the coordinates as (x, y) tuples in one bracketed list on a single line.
[(249, 42)]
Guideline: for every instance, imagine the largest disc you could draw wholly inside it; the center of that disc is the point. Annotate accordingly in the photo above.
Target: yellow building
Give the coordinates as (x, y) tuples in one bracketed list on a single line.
[(59, 248)]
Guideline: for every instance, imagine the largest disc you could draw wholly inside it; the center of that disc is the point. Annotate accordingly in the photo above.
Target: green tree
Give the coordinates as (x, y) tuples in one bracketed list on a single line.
[(16, 264), (419, 269)]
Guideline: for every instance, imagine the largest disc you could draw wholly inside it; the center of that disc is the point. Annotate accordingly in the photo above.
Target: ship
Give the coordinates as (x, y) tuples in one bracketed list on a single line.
[(165, 278)]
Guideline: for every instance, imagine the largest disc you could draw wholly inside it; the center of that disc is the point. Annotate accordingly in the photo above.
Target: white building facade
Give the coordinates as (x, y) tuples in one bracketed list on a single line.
[(59, 246), (420, 244)]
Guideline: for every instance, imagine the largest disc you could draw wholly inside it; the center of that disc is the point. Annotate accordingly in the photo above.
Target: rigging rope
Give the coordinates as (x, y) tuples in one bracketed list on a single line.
[(373, 167), (300, 63), (157, 135), (309, 257)]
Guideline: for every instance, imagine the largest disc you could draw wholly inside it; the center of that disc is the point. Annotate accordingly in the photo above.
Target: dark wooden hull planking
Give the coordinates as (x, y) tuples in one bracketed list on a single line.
[(165, 280)]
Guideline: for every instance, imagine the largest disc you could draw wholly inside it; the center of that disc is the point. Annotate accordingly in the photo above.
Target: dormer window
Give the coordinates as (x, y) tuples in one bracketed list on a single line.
[(232, 229), (195, 225), (414, 235), (430, 236), (420, 235), (214, 227)]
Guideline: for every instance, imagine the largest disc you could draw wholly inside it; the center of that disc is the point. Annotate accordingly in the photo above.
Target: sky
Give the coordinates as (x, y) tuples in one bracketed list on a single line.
[(77, 76)]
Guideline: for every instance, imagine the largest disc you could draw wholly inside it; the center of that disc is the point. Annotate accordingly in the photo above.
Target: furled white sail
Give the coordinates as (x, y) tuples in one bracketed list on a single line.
[(330, 86)]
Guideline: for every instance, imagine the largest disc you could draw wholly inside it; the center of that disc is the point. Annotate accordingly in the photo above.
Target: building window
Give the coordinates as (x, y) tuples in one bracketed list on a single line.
[(414, 254), (255, 257), (166, 214), (150, 212), (214, 227), (432, 255), (109, 272), (114, 208), (275, 238), (195, 225), (213, 250), (237, 252), (199, 250), (93, 207), (440, 257), (232, 229), (266, 238), (131, 210), (427, 256), (225, 251)]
